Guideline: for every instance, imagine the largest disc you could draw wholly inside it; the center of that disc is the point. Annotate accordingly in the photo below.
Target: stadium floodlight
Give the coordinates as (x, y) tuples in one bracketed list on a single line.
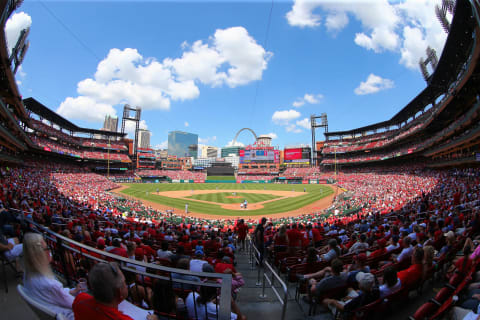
[(441, 14), (449, 5), (313, 126), (19, 50), (432, 57), (135, 118), (423, 69)]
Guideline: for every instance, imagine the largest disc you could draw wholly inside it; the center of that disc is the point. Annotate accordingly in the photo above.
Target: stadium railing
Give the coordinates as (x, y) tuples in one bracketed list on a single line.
[(264, 268), (68, 253)]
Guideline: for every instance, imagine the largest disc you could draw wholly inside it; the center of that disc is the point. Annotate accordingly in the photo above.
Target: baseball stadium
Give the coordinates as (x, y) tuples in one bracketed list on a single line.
[(374, 222)]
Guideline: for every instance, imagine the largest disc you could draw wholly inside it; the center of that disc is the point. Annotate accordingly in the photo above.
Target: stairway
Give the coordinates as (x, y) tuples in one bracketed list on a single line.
[(254, 306)]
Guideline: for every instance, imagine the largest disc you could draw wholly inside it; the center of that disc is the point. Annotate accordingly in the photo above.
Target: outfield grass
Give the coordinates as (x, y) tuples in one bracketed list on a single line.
[(313, 192), (223, 197), (221, 178)]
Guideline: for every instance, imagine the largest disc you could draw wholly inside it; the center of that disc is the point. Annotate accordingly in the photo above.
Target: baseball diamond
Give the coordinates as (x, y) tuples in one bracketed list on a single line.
[(210, 199)]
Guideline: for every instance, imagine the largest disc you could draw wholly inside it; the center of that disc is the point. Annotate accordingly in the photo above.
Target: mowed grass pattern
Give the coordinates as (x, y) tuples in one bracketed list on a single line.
[(313, 192), (223, 197), (219, 178)]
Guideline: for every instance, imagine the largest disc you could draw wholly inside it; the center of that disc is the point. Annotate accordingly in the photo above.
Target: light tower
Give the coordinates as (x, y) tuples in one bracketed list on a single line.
[(127, 109), (314, 124)]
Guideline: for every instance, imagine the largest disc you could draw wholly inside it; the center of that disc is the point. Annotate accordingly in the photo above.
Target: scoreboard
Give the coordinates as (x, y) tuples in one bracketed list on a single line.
[(297, 155), (259, 156)]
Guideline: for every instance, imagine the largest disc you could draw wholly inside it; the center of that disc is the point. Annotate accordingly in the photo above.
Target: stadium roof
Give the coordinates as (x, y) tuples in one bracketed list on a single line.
[(455, 53), (8, 86), (44, 112)]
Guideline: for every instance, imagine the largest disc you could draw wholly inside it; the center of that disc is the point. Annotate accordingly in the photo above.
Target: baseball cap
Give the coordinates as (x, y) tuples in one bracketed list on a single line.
[(365, 280), (101, 243), (382, 242), (449, 234), (361, 257)]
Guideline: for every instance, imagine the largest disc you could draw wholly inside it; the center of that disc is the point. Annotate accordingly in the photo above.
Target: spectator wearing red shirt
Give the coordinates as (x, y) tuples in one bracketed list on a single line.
[(304, 238), (314, 235), (109, 289), (381, 249), (294, 238), (224, 264), (242, 230), (118, 249), (409, 277)]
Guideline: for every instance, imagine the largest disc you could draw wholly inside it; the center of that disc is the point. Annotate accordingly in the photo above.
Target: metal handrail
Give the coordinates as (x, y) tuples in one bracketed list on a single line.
[(63, 244), (254, 256)]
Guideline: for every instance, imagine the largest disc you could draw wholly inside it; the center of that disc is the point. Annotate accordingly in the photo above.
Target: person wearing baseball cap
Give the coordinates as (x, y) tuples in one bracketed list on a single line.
[(381, 249), (359, 266)]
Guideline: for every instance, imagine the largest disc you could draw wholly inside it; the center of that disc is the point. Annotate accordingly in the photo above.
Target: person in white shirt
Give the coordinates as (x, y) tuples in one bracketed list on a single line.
[(360, 245), (163, 252), (407, 250), (202, 306), (197, 263), (394, 244), (39, 281), (391, 283)]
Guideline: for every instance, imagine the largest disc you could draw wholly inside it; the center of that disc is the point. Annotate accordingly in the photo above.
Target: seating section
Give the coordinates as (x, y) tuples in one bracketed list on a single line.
[(174, 174), (304, 173), (410, 203)]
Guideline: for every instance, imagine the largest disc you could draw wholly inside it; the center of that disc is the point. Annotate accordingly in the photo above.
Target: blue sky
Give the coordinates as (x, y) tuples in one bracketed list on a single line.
[(211, 68)]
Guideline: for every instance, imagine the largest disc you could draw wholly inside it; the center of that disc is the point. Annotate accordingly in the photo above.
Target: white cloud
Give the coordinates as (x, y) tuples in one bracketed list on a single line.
[(302, 14), (207, 140), (272, 135), (85, 108), (373, 84), (405, 27), (20, 75), (162, 145), (308, 98), (236, 144), (298, 103), (15, 24), (285, 116), (313, 98), (232, 50), (186, 124), (130, 127), (229, 57), (336, 21), (293, 128), (304, 123)]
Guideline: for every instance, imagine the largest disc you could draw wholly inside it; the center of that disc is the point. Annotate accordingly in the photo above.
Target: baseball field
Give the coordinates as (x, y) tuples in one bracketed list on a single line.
[(228, 199)]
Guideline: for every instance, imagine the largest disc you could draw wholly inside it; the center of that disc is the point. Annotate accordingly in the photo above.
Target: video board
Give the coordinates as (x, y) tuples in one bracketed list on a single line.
[(256, 156), (297, 155)]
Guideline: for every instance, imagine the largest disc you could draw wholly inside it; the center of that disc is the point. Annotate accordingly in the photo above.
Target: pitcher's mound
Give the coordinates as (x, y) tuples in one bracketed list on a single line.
[(233, 197)]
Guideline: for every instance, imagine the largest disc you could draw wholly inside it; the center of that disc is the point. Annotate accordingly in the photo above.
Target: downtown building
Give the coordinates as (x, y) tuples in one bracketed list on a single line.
[(182, 144)]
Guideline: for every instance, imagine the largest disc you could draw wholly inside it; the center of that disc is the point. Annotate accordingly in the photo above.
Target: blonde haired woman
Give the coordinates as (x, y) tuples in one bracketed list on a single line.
[(39, 281)]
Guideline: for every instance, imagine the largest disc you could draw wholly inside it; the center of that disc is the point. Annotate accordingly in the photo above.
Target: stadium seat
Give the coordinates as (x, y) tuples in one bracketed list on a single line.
[(42, 311)]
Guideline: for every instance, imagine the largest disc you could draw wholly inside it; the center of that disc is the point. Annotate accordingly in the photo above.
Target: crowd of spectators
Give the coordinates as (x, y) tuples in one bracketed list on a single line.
[(416, 204), (301, 172), (174, 174)]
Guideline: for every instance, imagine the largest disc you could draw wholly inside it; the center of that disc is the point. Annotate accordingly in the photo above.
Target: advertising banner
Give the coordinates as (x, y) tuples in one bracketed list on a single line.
[(293, 154)]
